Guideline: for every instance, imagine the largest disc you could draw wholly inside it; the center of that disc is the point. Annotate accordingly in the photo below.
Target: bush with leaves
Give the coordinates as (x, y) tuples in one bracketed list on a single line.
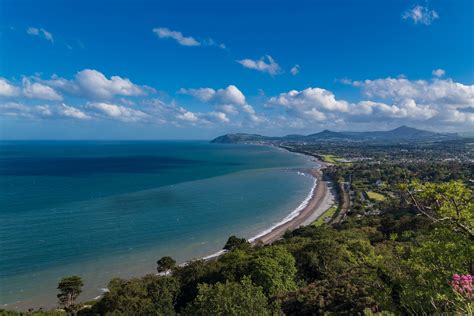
[(229, 299), (450, 203), (192, 274), (150, 295), (274, 269), (165, 264), (234, 242), (431, 262)]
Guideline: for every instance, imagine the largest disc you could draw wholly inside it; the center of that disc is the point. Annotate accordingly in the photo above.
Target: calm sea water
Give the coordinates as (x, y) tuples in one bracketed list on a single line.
[(105, 209)]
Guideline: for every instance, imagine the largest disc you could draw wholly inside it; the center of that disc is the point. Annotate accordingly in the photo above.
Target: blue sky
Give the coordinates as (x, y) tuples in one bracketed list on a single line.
[(197, 69)]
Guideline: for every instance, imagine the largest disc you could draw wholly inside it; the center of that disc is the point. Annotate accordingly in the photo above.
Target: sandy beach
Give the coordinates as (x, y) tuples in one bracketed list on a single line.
[(322, 199)]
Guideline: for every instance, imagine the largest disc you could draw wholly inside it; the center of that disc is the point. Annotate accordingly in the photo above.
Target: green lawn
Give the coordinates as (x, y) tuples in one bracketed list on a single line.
[(330, 212), (375, 196), (330, 158)]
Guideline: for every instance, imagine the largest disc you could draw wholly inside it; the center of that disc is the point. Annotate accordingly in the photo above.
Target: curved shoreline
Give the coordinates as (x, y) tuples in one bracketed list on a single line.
[(319, 200), (295, 213), (321, 197)]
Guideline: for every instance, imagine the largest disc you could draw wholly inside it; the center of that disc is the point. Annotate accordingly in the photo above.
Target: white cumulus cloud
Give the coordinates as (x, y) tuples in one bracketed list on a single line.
[(203, 94), (70, 111), (7, 89), (436, 92), (15, 109), (187, 116), (46, 111), (226, 100), (420, 15), (396, 100), (265, 64), (219, 116), (118, 112), (93, 84), (164, 32), (310, 99), (228, 108), (229, 95), (35, 90), (438, 72)]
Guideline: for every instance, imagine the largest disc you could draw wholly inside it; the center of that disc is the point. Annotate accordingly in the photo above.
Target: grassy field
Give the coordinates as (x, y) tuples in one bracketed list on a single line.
[(330, 212), (375, 196), (330, 158)]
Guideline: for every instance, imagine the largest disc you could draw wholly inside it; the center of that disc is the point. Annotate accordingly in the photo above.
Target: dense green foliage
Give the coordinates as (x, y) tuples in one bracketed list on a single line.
[(228, 299), (31, 312), (150, 295), (450, 202), (235, 242)]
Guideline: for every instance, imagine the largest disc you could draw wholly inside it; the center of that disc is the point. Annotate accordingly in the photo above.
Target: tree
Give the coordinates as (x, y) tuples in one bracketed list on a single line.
[(163, 292), (192, 274), (165, 263), (229, 299), (235, 242), (235, 264), (432, 261), (344, 294), (125, 297), (150, 295), (69, 288), (274, 269), (449, 202)]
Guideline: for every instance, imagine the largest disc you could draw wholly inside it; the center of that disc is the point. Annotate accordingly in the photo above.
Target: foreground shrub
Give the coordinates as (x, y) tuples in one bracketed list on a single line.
[(229, 299)]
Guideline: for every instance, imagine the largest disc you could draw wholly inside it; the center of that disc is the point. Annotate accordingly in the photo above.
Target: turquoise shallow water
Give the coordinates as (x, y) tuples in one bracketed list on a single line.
[(105, 209)]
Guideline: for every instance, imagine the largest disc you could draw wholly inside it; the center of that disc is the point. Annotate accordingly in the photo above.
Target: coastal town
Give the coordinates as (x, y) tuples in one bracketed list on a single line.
[(367, 176), (366, 173)]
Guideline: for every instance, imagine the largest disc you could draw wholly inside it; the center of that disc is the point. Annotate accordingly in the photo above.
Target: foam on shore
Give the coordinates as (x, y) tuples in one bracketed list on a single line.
[(293, 214), (288, 218)]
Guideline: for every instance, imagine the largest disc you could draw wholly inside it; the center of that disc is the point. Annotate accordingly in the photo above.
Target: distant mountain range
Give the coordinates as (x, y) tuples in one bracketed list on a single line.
[(401, 134)]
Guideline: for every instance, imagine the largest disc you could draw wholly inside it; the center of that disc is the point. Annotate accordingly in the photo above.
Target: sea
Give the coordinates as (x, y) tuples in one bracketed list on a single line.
[(105, 209)]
